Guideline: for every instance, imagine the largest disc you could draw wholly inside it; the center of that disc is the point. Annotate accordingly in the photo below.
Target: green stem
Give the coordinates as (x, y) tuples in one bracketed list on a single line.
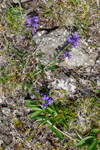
[(20, 12), (7, 42), (65, 134), (52, 60)]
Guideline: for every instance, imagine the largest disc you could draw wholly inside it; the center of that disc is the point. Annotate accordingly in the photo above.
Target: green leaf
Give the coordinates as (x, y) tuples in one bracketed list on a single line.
[(54, 60), (55, 130), (23, 87), (93, 145), (7, 42), (53, 67), (54, 108), (69, 118), (40, 119), (85, 141), (2, 81), (30, 102), (35, 114), (95, 131), (52, 119), (61, 120), (41, 124), (34, 107), (49, 110), (65, 124), (96, 91), (42, 76), (51, 127), (40, 66), (58, 134), (34, 93)]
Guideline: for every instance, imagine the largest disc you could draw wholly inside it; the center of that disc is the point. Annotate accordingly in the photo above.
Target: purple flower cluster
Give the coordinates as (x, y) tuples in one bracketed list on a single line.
[(47, 100), (32, 22), (74, 40), (66, 54)]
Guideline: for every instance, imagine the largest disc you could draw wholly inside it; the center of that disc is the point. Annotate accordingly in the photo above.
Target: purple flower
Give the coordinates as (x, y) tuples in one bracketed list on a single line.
[(44, 105), (66, 54), (47, 100), (32, 22), (74, 40), (69, 56)]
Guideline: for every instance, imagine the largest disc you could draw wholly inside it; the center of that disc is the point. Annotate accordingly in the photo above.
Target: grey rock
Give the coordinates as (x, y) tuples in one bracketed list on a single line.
[(94, 32), (80, 57), (2, 97), (16, 1), (1, 141), (4, 3), (6, 111), (98, 61), (69, 84), (48, 43), (3, 61), (8, 139), (0, 100), (98, 82)]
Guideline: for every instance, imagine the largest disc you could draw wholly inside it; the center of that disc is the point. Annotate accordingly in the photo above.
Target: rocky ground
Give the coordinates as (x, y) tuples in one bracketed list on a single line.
[(77, 77)]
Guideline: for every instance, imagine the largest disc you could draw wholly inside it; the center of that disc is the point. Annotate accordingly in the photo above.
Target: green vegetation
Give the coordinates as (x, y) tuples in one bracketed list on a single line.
[(24, 70)]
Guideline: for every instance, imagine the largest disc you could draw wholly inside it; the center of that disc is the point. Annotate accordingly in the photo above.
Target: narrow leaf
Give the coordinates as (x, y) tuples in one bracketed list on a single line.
[(34, 93), (58, 134), (34, 107), (93, 145), (40, 119), (41, 124), (42, 76), (30, 102), (55, 60), (35, 114), (49, 110), (85, 141), (96, 91), (95, 131), (55, 130), (40, 66)]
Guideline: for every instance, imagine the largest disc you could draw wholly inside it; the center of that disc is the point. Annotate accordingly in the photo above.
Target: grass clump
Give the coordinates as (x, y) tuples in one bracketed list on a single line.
[(81, 14), (13, 16)]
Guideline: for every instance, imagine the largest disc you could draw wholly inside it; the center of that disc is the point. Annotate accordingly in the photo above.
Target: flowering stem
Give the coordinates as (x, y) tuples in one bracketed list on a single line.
[(52, 60), (65, 134), (56, 56)]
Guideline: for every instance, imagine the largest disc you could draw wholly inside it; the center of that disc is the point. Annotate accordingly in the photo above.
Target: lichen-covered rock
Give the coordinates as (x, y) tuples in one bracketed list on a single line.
[(49, 42), (81, 56), (61, 81)]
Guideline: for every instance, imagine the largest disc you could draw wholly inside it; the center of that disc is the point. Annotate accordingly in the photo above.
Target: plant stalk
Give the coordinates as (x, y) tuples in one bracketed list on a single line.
[(52, 60), (65, 134)]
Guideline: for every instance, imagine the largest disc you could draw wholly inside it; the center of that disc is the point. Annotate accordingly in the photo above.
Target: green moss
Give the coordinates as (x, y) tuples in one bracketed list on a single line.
[(18, 123)]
